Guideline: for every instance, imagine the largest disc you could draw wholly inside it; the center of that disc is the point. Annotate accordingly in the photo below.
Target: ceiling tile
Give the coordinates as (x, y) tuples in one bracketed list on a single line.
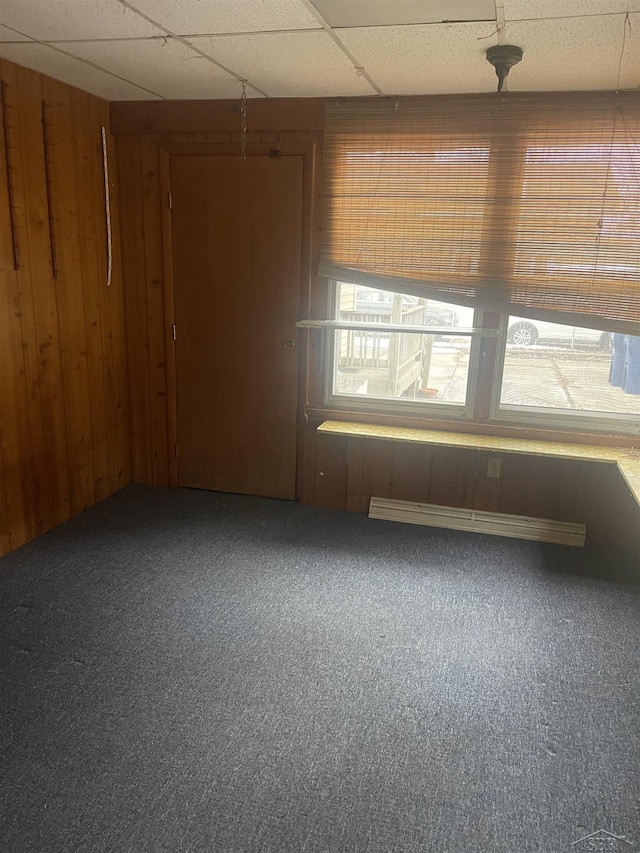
[(46, 60), (630, 66), (7, 34), (424, 59), (536, 9), (165, 66), (218, 16), (49, 20), (577, 54), (364, 13), (303, 64)]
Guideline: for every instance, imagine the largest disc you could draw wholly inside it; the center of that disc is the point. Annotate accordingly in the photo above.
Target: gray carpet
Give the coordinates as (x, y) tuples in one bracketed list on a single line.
[(187, 672)]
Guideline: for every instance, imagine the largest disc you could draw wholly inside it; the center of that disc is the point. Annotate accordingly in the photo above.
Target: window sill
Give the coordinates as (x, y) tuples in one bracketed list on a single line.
[(463, 424), (626, 459)]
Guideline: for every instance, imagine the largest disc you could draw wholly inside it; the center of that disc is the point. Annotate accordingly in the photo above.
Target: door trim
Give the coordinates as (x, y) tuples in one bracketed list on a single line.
[(309, 147)]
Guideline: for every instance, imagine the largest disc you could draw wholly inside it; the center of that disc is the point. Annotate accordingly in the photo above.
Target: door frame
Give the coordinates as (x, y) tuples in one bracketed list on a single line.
[(307, 145)]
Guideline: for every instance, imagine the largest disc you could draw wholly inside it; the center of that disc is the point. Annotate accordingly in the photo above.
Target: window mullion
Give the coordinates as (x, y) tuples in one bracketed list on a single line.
[(499, 245)]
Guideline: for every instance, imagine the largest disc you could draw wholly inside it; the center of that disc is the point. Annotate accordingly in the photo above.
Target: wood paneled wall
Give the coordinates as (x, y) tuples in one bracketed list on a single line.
[(64, 423), (146, 319)]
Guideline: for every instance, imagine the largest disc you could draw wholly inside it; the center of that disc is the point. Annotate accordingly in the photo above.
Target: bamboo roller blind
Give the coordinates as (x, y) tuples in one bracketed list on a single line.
[(525, 204)]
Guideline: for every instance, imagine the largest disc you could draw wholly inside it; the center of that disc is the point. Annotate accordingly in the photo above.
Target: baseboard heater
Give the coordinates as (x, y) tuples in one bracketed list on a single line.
[(479, 521)]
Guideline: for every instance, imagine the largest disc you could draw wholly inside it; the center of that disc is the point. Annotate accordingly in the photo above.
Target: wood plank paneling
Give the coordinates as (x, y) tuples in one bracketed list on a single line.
[(156, 321), (216, 117), (19, 487), (169, 319), (378, 471), (607, 505), (466, 481), (487, 491), (355, 477), (55, 464), (40, 506), (59, 445), (70, 293), (132, 233), (514, 475), (88, 150), (331, 471), (113, 320), (444, 476), (411, 473), (99, 113), (5, 535)]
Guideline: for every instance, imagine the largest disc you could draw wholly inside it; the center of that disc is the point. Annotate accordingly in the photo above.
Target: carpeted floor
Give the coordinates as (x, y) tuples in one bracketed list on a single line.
[(186, 672)]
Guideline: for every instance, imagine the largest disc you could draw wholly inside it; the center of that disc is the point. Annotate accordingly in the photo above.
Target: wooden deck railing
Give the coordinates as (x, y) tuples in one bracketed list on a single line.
[(382, 350)]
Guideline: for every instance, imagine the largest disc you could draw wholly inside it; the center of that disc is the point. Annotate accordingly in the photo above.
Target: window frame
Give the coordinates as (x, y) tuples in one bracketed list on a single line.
[(485, 367), (409, 407), (538, 416)]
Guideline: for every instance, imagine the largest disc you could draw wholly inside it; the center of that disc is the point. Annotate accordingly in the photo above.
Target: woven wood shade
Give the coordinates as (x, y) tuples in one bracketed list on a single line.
[(524, 204)]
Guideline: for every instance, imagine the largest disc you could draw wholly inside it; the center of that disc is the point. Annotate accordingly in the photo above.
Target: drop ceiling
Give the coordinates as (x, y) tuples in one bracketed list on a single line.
[(178, 49)]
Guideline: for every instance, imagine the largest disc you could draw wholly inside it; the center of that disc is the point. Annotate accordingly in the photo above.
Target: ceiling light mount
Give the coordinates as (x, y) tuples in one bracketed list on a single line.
[(503, 57)]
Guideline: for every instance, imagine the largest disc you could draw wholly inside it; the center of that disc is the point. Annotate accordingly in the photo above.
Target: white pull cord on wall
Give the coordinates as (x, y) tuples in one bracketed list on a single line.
[(107, 202)]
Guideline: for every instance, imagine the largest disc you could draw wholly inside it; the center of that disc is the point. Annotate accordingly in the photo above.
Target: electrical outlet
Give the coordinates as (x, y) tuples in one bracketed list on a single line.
[(493, 468)]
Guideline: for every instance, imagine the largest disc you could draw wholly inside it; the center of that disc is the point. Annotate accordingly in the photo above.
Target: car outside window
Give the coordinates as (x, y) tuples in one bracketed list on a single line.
[(544, 373), (550, 367)]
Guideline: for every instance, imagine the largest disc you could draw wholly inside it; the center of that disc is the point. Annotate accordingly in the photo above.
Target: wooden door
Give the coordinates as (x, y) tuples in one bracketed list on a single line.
[(237, 228)]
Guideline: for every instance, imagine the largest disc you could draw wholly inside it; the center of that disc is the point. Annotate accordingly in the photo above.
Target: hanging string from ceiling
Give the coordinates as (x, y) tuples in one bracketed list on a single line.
[(243, 122), (627, 23)]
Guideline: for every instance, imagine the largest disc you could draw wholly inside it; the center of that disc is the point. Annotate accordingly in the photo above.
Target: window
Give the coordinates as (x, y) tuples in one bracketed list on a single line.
[(522, 207), (528, 205), (409, 366), (544, 373), (548, 369)]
